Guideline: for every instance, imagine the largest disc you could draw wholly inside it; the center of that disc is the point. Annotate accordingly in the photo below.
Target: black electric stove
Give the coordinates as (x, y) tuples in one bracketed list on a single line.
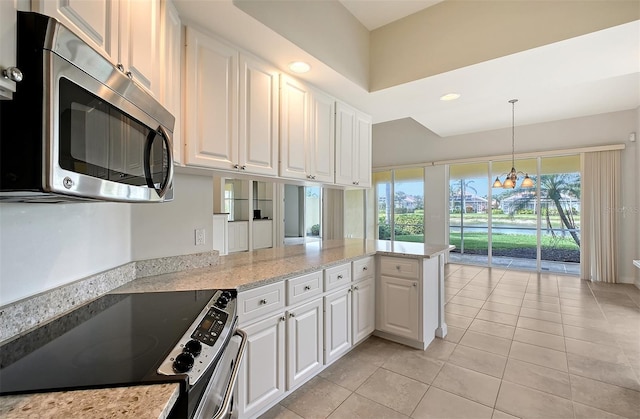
[(124, 340)]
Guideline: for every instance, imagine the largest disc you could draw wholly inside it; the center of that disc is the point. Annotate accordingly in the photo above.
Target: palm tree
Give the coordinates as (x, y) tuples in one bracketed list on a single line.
[(557, 186)]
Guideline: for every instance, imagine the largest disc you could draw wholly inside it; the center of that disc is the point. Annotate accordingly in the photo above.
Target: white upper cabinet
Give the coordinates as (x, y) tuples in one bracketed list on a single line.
[(231, 108), (321, 157), (258, 134), (353, 147), (306, 132), (294, 128), (211, 117), (171, 75), (125, 31), (8, 23)]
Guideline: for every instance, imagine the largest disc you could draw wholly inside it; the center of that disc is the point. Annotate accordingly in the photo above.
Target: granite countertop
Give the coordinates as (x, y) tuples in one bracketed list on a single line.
[(244, 270), (140, 402)]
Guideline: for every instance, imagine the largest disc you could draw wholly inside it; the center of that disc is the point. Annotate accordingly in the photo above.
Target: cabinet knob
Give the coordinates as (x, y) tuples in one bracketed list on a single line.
[(128, 74), (364, 268), (12, 73), (339, 276), (236, 166), (243, 167), (415, 284), (398, 267), (307, 287), (349, 290), (292, 314), (282, 319), (263, 301), (120, 67), (355, 288)]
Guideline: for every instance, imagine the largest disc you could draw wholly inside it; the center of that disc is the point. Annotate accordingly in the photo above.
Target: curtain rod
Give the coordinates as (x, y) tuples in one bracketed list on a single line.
[(549, 153)]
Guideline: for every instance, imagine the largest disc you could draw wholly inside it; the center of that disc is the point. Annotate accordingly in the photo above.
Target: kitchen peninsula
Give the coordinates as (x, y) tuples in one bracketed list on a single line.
[(250, 272)]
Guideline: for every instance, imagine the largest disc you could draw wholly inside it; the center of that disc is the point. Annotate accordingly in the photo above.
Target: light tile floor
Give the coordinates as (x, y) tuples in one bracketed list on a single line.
[(519, 345)]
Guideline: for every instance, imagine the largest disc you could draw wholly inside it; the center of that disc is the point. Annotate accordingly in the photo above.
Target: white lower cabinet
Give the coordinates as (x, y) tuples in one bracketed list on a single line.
[(262, 374), (363, 309), (238, 239), (304, 342), (398, 312), (289, 343), (337, 321), (407, 300)]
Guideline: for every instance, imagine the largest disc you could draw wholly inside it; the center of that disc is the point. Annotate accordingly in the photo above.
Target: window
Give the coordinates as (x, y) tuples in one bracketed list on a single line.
[(400, 198)]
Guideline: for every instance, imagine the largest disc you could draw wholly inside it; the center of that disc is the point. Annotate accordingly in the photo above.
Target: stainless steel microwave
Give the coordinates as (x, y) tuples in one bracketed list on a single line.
[(78, 128)]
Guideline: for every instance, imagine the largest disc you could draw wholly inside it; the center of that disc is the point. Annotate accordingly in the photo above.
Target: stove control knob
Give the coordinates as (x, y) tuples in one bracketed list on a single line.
[(183, 362), (193, 347), (223, 300)]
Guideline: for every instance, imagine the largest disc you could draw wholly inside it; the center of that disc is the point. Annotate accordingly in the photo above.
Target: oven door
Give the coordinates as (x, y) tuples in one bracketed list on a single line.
[(103, 146), (217, 399)]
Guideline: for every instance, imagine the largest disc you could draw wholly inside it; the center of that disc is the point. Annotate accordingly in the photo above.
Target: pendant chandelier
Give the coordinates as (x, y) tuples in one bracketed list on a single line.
[(512, 176)]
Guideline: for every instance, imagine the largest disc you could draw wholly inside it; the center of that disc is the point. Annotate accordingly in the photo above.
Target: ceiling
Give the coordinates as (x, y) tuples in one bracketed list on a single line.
[(375, 13), (586, 75)]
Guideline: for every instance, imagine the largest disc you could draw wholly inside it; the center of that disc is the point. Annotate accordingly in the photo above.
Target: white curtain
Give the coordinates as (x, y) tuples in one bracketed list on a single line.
[(599, 216)]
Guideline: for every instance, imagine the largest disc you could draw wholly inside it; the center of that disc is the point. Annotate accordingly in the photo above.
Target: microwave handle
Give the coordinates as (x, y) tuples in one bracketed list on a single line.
[(147, 161)]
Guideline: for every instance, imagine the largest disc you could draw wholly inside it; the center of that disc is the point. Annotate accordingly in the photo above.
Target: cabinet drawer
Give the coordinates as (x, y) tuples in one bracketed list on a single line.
[(337, 276), (400, 267), (363, 268), (304, 287), (256, 302)]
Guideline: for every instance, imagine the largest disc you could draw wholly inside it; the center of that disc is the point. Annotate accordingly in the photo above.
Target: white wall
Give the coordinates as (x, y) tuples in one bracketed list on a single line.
[(43, 246), (404, 143), (168, 229)]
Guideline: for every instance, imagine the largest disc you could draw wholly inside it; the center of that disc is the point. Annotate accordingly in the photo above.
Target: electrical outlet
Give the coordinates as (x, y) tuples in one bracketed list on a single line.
[(200, 237)]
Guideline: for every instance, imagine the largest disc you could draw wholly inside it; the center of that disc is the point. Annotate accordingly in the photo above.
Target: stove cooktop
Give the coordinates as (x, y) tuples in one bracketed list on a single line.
[(118, 339)]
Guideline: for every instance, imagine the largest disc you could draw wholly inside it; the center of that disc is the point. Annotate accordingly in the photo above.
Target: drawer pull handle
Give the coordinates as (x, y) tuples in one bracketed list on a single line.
[(339, 276), (307, 287), (263, 301)]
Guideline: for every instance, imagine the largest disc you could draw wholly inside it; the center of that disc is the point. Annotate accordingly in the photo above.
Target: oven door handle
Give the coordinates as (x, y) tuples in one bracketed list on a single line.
[(225, 407)]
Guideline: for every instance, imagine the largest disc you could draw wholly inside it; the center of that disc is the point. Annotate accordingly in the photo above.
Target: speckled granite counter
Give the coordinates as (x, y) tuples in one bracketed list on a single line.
[(243, 271), (249, 270), (148, 401)]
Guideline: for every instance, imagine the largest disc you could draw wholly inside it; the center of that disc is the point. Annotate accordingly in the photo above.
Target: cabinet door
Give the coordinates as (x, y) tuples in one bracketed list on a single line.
[(139, 42), (304, 342), (364, 315), (9, 25), (211, 138), (294, 128), (238, 236), (171, 77), (96, 21), (399, 307), (262, 234), (258, 131), (362, 157), (337, 320), (261, 378), (321, 150), (345, 138)]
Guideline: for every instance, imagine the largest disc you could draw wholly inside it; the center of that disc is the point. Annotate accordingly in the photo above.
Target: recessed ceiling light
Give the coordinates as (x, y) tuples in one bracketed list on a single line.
[(450, 96), (299, 67)]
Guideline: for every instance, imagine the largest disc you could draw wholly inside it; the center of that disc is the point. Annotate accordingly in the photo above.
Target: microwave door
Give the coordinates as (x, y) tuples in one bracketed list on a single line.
[(158, 161)]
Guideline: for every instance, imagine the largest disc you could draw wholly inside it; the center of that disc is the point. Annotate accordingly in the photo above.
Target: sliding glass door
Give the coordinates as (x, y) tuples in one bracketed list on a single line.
[(525, 228)]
